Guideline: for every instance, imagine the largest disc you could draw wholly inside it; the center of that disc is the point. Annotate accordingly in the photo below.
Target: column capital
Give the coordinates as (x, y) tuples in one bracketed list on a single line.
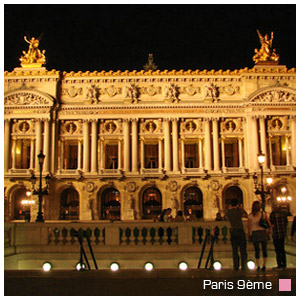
[(134, 120), (166, 119), (215, 119), (174, 120)]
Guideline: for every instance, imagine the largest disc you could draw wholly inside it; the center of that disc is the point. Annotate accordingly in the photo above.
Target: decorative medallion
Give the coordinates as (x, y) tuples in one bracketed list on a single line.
[(110, 127), (71, 127), (24, 126), (150, 126)]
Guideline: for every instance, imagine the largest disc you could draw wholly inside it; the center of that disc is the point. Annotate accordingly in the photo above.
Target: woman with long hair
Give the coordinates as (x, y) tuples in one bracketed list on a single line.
[(259, 235)]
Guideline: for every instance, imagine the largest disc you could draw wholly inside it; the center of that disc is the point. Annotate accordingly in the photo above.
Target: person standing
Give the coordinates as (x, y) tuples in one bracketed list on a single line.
[(278, 219), (237, 234), (259, 235)]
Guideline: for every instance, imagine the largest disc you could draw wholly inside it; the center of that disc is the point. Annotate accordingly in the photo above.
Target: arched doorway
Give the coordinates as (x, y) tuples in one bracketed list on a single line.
[(18, 207), (193, 202), (69, 204), (152, 203), (110, 206), (232, 192)]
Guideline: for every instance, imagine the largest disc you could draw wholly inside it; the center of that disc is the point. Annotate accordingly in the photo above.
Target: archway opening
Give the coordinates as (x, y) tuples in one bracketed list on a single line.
[(152, 203), (69, 204), (110, 204), (18, 207), (232, 192), (193, 203)]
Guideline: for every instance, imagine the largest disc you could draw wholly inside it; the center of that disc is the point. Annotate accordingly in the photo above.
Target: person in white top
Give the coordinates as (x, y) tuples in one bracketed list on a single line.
[(257, 234)]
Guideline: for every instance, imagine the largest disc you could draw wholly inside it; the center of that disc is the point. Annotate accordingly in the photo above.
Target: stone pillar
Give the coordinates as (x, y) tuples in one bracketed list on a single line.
[(241, 158), (94, 147), (287, 145), (167, 153), (31, 167), (293, 139), (126, 146), (79, 155), (119, 154), (254, 147), (14, 143), (175, 144), (207, 145), (62, 154), (38, 143), (263, 139), (101, 153), (6, 145), (271, 152), (223, 152), (142, 155), (86, 146), (182, 155), (200, 150), (53, 163), (160, 164), (46, 145), (134, 149), (216, 145)]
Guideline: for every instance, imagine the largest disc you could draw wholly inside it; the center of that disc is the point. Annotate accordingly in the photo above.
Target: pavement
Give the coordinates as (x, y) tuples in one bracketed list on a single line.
[(158, 282)]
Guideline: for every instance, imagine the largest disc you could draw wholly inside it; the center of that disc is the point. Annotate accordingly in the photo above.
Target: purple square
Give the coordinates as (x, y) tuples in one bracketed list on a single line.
[(285, 285)]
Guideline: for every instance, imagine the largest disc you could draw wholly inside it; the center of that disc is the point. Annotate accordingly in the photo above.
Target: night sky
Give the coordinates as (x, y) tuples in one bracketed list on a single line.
[(119, 37)]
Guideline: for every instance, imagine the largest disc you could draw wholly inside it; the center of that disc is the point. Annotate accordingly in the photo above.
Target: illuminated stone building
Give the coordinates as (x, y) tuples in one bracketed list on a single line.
[(127, 144)]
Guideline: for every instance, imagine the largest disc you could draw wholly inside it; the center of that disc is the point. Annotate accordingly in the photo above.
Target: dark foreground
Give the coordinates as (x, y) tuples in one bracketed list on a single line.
[(164, 282)]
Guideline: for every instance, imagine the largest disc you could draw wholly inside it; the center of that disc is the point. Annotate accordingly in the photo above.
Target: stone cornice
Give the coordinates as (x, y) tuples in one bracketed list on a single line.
[(127, 73)]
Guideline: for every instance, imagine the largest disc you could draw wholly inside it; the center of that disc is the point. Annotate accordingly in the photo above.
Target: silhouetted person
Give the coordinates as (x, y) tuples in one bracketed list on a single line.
[(237, 234)]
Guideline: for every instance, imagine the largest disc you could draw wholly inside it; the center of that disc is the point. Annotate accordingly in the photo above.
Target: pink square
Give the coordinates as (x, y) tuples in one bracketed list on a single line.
[(285, 285)]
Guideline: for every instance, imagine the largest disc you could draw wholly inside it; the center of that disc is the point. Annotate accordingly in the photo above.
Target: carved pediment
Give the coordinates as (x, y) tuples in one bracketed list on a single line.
[(276, 94), (27, 98)]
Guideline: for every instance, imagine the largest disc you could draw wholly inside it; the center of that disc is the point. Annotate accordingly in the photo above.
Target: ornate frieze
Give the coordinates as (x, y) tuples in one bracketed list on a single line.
[(24, 98), (275, 95)]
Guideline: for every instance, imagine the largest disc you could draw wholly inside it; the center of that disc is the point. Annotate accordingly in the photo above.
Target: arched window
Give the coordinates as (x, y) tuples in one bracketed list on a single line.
[(232, 192), (18, 207), (69, 204), (193, 202), (110, 204), (151, 203)]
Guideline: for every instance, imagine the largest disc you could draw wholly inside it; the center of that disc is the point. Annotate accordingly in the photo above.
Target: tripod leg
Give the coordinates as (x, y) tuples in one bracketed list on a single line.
[(202, 252), (91, 250)]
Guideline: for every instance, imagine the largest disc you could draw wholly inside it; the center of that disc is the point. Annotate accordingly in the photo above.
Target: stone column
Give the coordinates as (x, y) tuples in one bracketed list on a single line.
[(182, 155), (216, 145), (175, 144), (160, 164), (126, 146), (287, 145), (241, 159), (142, 155), (46, 145), (207, 145), (31, 167), (86, 146), (14, 143), (94, 147), (293, 139), (62, 154), (38, 143), (53, 163), (167, 153), (263, 139), (200, 150), (255, 149), (134, 145), (79, 155), (6, 145), (119, 154), (102, 153), (223, 152), (271, 152)]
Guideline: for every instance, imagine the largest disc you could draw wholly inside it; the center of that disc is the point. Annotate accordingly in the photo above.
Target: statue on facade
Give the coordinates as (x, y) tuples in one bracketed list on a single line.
[(265, 53), (92, 93), (131, 92), (171, 92), (150, 65), (211, 91), (33, 56)]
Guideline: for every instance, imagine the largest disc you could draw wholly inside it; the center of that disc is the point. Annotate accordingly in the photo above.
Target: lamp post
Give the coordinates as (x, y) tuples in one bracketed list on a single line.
[(40, 192), (262, 192)]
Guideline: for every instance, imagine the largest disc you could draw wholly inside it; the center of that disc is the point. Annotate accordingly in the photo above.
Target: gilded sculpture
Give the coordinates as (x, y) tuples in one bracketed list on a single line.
[(33, 57), (265, 53)]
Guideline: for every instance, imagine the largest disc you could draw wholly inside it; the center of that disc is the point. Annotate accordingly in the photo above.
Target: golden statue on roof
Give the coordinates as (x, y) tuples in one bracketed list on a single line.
[(266, 54), (33, 58)]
